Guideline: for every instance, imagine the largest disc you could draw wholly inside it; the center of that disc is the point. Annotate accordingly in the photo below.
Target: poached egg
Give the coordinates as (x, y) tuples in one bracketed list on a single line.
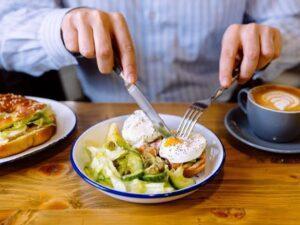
[(181, 150), (139, 130)]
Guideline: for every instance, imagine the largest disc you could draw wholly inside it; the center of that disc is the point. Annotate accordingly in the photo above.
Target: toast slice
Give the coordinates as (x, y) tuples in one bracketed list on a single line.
[(192, 168)]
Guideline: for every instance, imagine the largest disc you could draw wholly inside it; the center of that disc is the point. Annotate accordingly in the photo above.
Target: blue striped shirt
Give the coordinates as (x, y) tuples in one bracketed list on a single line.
[(177, 42)]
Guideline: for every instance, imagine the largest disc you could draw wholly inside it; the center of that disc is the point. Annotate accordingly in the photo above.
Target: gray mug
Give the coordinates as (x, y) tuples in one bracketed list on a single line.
[(268, 124)]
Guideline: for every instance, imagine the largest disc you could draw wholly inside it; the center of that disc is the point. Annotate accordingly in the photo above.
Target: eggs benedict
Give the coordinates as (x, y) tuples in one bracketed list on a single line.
[(182, 150), (138, 130)]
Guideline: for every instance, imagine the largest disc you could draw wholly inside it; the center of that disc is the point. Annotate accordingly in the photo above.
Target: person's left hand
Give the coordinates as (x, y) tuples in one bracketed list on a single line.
[(257, 45)]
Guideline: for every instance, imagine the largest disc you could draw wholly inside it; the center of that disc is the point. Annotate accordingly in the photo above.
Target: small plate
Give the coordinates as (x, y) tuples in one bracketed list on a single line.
[(236, 123), (215, 156), (65, 124)]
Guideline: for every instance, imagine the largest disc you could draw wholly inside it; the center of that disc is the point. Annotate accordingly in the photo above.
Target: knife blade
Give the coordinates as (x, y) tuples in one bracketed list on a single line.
[(144, 104)]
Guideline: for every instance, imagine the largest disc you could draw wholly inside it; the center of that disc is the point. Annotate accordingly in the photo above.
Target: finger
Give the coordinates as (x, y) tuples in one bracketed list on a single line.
[(125, 46), (267, 49), (277, 43), (230, 47), (85, 39), (251, 52), (70, 38), (103, 45), (238, 58)]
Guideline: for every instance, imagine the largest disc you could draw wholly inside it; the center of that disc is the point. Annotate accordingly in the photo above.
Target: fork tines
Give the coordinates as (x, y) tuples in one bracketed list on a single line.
[(189, 119)]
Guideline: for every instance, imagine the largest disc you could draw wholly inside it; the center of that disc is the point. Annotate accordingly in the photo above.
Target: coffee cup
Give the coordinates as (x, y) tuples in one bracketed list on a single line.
[(273, 111)]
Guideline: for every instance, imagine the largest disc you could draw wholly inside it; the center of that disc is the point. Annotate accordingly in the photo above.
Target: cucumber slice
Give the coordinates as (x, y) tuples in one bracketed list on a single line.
[(132, 176), (134, 162), (178, 180), (130, 166), (121, 165), (155, 177)]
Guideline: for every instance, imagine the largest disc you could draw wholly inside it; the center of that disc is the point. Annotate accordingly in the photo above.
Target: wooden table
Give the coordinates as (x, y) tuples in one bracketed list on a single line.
[(254, 187)]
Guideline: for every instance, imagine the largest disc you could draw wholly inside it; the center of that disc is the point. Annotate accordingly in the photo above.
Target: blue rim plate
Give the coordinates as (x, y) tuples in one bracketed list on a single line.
[(143, 196)]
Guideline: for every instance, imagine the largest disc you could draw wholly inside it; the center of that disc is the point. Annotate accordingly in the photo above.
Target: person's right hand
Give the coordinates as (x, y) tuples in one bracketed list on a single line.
[(93, 33)]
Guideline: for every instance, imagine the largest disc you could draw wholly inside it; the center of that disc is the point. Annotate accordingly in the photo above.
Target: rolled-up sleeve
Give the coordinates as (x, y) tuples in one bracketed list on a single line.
[(30, 38), (284, 15)]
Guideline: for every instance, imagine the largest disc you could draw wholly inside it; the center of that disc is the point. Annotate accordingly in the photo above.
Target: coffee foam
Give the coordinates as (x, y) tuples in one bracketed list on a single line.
[(281, 100)]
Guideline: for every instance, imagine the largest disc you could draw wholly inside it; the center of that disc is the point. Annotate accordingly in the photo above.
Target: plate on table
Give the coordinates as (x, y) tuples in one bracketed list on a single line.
[(215, 156), (236, 123), (65, 125)]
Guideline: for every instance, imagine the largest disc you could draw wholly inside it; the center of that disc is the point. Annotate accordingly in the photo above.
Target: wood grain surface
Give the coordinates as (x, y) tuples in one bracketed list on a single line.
[(253, 188)]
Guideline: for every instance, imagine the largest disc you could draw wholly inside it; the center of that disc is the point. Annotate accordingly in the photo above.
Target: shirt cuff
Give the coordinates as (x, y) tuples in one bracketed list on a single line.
[(50, 34)]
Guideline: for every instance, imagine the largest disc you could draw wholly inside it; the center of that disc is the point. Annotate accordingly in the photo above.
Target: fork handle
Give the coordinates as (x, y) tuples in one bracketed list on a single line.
[(220, 90)]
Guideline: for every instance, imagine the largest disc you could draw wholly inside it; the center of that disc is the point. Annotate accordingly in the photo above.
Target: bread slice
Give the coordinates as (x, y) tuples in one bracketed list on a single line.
[(192, 169), (28, 140), (196, 168)]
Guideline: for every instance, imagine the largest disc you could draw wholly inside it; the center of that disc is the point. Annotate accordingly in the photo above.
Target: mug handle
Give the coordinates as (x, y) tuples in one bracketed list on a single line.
[(242, 99)]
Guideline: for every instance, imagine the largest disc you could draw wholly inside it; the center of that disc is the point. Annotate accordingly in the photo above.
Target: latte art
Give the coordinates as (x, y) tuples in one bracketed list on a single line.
[(281, 100), (277, 97)]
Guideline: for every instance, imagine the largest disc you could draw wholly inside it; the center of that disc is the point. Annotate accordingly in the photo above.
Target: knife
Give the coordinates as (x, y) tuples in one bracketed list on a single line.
[(140, 99), (143, 103)]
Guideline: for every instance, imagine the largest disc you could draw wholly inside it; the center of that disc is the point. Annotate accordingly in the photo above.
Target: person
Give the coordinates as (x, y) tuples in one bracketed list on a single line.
[(177, 48)]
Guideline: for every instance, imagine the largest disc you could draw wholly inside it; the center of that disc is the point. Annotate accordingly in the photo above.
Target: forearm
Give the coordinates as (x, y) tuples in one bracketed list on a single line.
[(30, 40)]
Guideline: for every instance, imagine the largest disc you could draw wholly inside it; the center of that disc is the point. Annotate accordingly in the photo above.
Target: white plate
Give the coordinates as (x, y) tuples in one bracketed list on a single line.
[(65, 122), (96, 134)]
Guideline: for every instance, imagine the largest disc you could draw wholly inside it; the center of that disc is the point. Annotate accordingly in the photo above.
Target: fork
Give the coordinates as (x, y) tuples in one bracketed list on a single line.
[(196, 109)]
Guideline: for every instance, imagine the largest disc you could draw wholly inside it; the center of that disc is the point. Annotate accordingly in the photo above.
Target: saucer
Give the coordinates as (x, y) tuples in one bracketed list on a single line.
[(236, 123)]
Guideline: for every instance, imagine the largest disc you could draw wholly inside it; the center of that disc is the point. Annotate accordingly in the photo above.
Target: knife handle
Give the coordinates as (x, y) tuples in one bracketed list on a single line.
[(119, 70), (117, 66)]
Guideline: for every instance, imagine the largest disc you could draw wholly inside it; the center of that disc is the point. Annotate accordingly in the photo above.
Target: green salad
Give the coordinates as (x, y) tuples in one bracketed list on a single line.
[(118, 165)]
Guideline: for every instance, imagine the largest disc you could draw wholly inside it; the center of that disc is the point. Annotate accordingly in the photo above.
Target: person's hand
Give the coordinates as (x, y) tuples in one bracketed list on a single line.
[(94, 33), (256, 45)]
